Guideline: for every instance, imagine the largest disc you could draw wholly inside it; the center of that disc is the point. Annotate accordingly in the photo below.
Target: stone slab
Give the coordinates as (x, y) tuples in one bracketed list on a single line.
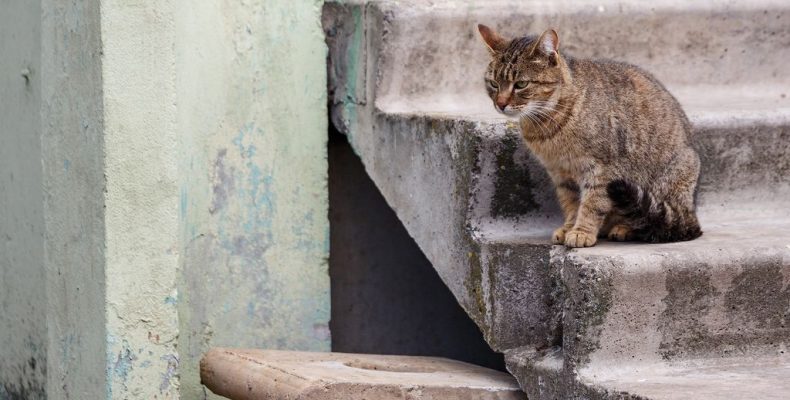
[(248, 374)]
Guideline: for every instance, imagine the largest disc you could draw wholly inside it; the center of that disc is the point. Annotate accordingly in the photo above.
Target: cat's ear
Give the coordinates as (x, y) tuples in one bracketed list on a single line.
[(548, 44), (493, 41)]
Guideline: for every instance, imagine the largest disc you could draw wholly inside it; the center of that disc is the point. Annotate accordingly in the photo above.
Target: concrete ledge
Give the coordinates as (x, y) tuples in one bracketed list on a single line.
[(246, 374)]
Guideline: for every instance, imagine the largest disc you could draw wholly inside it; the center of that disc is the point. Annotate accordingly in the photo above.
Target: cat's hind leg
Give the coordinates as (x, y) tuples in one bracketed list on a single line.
[(617, 228), (621, 233)]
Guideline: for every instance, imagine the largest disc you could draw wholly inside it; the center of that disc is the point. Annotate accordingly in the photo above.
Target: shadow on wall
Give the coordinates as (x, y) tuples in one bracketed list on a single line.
[(386, 296)]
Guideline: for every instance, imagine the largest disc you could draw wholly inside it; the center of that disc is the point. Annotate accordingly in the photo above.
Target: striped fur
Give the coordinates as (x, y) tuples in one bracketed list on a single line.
[(652, 220)]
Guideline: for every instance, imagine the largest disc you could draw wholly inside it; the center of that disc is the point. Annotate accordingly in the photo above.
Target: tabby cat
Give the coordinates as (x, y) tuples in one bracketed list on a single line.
[(614, 141)]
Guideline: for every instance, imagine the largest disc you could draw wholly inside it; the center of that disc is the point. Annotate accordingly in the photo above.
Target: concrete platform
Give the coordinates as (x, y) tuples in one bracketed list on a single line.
[(246, 374)]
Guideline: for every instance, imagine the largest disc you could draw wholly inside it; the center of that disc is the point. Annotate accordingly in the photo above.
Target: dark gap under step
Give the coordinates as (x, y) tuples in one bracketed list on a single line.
[(386, 296)]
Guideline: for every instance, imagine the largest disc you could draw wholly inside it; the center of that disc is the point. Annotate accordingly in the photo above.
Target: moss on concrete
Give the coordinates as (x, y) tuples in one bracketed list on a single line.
[(513, 195)]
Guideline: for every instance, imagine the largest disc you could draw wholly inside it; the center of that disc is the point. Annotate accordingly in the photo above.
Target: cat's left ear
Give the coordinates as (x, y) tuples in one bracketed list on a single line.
[(493, 41), (549, 44)]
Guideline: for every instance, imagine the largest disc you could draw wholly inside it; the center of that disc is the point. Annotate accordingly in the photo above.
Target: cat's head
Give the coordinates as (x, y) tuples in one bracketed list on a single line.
[(525, 74)]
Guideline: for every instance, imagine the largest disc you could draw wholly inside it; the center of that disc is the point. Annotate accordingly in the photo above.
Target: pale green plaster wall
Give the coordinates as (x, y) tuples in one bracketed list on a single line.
[(253, 128), (141, 199)]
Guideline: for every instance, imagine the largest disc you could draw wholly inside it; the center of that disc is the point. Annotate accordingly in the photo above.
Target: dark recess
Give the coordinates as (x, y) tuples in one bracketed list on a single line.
[(386, 296)]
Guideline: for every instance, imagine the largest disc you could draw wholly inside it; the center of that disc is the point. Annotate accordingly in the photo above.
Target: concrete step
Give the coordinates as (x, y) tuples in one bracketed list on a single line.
[(543, 376), (725, 294), (405, 82), (250, 374)]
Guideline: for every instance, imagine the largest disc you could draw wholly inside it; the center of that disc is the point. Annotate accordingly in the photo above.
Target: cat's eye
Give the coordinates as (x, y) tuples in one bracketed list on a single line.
[(520, 84), (492, 83)]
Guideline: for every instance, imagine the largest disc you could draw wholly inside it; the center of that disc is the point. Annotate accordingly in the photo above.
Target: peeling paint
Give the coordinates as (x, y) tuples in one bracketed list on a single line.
[(223, 182), (254, 229), (124, 363), (172, 368)]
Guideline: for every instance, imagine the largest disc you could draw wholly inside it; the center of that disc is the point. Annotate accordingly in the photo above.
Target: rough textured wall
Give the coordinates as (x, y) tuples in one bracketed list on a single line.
[(22, 302), (141, 168), (72, 145), (252, 122)]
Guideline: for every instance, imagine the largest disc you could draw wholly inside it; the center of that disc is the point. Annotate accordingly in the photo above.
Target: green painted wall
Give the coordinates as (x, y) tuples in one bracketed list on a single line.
[(253, 128), (141, 219)]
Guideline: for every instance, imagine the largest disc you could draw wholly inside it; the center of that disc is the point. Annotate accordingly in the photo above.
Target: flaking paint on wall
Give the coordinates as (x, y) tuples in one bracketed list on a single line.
[(252, 117)]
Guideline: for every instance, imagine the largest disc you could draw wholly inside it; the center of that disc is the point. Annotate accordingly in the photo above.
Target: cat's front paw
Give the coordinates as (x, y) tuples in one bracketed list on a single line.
[(558, 237), (577, 238)]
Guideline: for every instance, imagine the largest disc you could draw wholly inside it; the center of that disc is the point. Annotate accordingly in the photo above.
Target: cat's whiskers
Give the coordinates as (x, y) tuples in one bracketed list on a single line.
[(528, 115), (540, 109), (544, 114)]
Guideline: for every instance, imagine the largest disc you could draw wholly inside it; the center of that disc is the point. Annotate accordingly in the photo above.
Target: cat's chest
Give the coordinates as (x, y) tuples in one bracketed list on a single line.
[(562, 156), (558, 153)]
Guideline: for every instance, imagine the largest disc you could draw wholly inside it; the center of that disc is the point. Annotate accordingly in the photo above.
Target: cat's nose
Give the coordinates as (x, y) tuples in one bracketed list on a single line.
[(501, 106)]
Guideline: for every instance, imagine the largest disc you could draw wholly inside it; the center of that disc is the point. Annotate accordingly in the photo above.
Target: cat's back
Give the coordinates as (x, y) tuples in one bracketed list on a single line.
[(614, 88), (614, 77)]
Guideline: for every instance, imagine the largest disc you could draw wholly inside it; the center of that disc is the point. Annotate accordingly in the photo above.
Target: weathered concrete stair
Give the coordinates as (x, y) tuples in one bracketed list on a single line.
[(405, 81)]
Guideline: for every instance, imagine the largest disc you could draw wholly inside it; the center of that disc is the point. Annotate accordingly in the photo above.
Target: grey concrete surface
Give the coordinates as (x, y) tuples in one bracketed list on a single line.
[(386, 296), (724, 378), (23, 329), (244, 374), (73, 165), (405, 87)]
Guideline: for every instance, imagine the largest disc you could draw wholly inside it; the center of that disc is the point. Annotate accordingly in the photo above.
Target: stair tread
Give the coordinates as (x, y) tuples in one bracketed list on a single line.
[(722, 237), (761, 224), (739, 378), (704, 105)]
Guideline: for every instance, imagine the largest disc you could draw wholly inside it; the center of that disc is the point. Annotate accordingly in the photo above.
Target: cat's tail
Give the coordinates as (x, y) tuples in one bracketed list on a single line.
[(652, 220)]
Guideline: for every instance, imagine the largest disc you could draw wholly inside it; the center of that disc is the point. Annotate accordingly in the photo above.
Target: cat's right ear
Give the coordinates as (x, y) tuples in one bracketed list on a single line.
[(493, 41), (548, 44)]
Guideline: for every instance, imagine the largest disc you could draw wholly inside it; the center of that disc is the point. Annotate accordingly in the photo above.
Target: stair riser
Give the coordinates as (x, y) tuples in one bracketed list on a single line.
[(435, 53), (523, 302), (544, 378), (741, 166), (718, 305)]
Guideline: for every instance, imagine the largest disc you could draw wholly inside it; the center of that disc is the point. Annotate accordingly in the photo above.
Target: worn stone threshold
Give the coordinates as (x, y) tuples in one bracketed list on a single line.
[(249, 374)]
